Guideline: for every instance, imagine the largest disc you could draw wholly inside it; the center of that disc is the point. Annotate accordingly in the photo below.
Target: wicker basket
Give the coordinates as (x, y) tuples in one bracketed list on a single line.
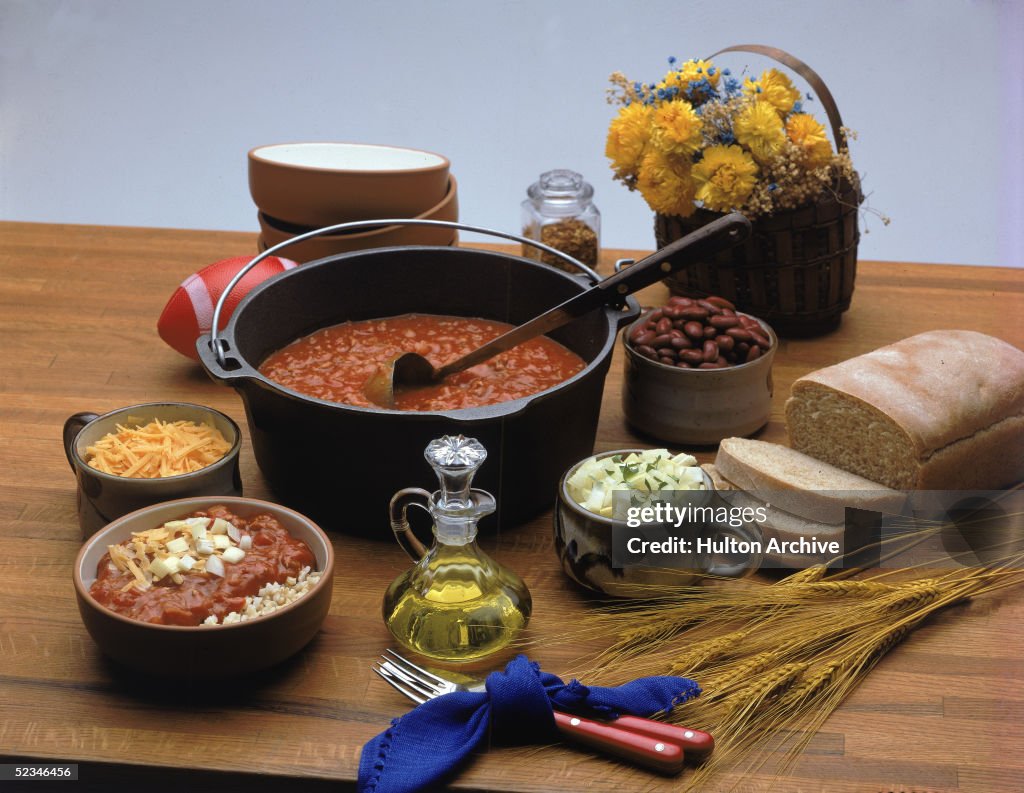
[(797, 269)]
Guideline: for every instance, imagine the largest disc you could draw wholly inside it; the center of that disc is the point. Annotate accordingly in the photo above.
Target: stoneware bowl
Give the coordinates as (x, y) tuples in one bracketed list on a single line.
[(274, 231), (317, 184), (697, 406), (583, 541), (103, 497), (207, 651)]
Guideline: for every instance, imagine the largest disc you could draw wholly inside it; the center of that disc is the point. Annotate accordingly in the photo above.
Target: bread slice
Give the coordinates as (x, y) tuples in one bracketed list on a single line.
[(939, 410), (780, 525), (800, 484)]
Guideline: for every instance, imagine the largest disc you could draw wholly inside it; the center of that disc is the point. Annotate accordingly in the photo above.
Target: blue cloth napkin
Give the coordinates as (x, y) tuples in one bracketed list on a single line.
[(428, 744)]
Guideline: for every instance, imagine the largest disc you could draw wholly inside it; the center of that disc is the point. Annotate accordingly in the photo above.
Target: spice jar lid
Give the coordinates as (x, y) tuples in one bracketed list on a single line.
[(560, 185)]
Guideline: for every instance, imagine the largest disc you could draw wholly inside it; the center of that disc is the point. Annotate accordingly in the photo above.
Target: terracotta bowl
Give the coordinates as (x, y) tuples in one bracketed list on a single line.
[(208, 651), (274, 231), (317, 184), (697, 406)]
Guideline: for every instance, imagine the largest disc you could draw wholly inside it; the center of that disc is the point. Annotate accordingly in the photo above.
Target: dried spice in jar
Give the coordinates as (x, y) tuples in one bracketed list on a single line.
[(559, 212)]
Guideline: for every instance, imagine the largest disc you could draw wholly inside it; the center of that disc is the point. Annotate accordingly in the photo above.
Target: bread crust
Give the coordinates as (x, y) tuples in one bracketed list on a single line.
[(938, 387)]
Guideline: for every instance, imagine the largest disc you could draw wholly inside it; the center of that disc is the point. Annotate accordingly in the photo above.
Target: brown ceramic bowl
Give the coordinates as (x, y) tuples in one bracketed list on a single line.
[(274, 231), (104, 497), (697, 406), (317, 184), (207, 651)]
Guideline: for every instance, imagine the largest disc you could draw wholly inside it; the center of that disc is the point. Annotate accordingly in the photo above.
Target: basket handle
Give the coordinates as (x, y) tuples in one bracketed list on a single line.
[(805, 71)]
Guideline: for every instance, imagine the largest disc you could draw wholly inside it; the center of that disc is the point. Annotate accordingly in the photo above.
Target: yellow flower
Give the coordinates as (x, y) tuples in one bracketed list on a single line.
[(809, 137), (774, 87), (758, 127), (665, 183), (677, 128), (724, 177), (628, 134), (689, 77)]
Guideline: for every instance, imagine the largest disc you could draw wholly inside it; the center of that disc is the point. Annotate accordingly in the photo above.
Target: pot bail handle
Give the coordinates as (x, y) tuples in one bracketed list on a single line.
[(805, 71), (219, 346)]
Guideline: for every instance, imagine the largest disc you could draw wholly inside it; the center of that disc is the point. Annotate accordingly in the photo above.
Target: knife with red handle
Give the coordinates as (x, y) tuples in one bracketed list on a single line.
[(696, 743), (608, 738)]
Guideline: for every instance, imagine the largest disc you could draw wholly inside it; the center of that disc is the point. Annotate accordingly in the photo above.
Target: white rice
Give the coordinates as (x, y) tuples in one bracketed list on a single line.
[(270, 598)]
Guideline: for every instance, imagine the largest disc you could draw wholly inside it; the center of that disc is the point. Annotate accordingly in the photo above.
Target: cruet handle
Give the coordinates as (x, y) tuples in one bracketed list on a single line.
[(400, 503)]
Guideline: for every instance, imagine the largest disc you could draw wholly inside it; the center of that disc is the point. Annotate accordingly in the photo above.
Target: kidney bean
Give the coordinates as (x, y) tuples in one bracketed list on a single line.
[(711, 307), (694, 312), (680, 300), (664, 325), (681, 343), (710, 331), (656, 315), (667, 361), (672, 311), (692, 356), (725, 342), (715, 365), (694, 329), (728, 312), (721, 302), (710, 351), (749, 322), (723, 322), (683, 365), (760, 340), (637, 332), (740, 334), (647, 352), (753, 353), (675, 333), (645, 338), (661, 341), (741, 348)]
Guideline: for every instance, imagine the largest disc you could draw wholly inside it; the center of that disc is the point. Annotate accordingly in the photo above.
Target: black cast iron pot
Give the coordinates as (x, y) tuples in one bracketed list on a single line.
[(341, 464)]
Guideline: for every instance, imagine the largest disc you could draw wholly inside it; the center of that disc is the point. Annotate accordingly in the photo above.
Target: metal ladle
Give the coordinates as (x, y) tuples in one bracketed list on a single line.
[(409, 369)]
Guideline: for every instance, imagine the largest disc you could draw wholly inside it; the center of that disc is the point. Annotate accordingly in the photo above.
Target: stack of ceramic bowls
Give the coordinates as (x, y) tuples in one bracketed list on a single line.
[(299, 187)]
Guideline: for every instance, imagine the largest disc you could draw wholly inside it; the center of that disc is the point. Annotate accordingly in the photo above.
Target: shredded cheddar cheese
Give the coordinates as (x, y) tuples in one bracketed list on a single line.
[(158, 449)]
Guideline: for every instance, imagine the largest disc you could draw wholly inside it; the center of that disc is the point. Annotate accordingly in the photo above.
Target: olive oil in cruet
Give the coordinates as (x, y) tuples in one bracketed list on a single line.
[(455, 603)]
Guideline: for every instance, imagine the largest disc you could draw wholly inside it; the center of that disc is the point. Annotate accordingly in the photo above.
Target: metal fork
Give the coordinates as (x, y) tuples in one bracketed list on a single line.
[(646, 742)]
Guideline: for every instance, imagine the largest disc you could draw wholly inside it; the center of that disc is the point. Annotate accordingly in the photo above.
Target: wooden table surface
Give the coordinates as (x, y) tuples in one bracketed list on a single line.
[(942, 712)]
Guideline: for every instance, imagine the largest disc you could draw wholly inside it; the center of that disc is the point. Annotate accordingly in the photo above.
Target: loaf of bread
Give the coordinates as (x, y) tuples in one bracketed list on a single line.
[(798, 484), (943, 410)]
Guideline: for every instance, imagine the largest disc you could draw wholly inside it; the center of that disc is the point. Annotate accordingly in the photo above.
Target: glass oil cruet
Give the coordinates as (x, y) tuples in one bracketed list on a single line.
[(455, 603)]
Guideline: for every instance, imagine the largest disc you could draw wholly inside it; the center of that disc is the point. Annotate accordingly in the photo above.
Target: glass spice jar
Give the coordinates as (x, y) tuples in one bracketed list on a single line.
[(560, 212)]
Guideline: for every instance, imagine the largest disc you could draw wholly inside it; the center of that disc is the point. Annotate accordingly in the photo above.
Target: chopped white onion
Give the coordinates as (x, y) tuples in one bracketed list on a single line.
[(215, 566), (233, 555), (233, 532), (245, 543)]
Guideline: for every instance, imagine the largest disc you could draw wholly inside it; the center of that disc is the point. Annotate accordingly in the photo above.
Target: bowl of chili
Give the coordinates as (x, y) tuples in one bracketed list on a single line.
[(205, 621)]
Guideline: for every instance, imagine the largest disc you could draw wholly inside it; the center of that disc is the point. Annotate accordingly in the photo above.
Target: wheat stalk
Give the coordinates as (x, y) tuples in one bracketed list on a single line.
[(776, 660)]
